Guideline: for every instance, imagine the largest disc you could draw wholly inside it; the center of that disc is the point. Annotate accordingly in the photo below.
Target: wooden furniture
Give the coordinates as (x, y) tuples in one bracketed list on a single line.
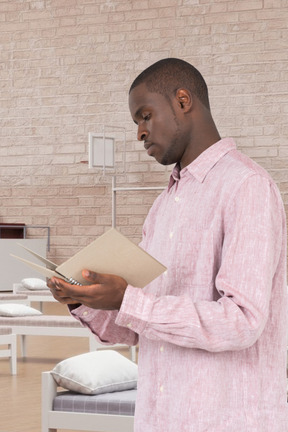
[(41, 296), (47, 325), (53, 325), (109, 412), (8, 338)]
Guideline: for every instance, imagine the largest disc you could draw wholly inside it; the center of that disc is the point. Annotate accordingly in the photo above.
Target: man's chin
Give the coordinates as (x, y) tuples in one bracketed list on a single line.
[(164, 161)]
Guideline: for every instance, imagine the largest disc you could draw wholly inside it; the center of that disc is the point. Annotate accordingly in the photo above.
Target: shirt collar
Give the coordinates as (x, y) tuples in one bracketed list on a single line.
[(200, 167)]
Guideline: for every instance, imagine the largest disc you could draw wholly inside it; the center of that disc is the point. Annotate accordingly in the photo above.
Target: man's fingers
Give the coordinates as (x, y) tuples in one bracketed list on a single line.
[(60, 288), (54, 282)]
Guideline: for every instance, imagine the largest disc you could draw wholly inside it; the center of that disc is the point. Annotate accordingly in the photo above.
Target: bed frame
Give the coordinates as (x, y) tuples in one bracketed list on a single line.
[(9, 339), (40, 296), (47, 325), (81, 421), (53, 325)]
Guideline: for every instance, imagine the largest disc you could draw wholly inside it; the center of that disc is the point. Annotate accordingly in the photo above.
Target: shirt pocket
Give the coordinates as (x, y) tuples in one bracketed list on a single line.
[(195, 260)]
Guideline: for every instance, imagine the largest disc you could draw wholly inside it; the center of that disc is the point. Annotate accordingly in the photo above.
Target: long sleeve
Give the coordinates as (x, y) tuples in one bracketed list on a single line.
[(102, 324), (253, 229)]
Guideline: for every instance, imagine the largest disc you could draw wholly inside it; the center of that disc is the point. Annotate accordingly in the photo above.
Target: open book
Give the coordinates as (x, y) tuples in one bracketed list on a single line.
[(111, 253)]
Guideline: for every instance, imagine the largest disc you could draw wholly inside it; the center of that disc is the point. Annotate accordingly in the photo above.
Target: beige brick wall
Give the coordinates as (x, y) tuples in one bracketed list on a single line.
[(66, 67)]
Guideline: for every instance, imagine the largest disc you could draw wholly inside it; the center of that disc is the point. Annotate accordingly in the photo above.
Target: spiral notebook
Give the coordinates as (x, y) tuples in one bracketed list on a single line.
[(111, 253)]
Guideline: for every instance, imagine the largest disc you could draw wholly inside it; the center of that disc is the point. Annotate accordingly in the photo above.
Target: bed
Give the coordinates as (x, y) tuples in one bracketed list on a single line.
[(47, 325), (53, 325), (106, 412)]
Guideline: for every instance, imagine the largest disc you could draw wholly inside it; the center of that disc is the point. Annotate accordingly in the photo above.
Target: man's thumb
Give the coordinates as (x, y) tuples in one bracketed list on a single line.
[(92, 277)]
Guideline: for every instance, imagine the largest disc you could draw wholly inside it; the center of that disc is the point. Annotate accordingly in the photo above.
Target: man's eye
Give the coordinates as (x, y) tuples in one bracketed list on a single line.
[(147, 117)]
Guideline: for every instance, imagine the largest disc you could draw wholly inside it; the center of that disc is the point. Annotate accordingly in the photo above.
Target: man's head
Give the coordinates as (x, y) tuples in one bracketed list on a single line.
[(170, 74), (169, 103)]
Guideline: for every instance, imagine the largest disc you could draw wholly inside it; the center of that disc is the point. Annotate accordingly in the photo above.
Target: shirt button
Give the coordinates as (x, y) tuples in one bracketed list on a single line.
[(161, 388), (171, 235), (177, 199), (129, 325), (162, 348), (85, 313)]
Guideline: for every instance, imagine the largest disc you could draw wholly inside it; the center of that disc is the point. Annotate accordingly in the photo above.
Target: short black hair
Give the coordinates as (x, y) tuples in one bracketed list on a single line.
[(168, 75)]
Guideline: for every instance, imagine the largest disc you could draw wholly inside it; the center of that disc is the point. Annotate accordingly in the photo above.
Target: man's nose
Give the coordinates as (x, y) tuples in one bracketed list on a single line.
[(142, 133)]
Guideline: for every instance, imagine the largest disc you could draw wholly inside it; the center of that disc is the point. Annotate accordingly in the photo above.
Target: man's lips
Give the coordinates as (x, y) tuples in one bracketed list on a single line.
[(147, 145)]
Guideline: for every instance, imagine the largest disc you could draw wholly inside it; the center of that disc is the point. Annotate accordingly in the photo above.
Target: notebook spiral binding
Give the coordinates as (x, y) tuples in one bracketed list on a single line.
[(73, 281)]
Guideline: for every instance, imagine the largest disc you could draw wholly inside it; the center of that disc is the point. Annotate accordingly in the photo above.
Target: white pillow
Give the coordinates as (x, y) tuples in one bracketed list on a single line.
[(34, 284), (17, 309), (96, 372)]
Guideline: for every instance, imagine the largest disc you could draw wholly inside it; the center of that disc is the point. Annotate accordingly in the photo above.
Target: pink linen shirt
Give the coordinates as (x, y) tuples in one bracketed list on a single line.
[(211, 329)]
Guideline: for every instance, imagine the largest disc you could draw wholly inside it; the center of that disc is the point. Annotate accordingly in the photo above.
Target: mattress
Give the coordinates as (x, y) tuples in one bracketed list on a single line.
[(117, 403), (28, 292), (41, 321)]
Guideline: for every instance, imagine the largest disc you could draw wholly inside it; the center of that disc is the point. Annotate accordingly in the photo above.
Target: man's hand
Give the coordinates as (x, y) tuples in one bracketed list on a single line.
[(106, 291)]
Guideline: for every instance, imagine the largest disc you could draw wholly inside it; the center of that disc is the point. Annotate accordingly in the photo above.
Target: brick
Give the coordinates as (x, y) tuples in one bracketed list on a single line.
[(244, 5), (256, 152), (162, 3), (271, 4)]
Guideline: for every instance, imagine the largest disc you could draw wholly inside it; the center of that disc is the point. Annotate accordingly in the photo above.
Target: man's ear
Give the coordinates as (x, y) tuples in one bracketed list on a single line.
[(184, 99)]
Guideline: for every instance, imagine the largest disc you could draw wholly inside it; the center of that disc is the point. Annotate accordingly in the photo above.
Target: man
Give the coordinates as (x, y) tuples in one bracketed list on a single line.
[(212, 329)]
